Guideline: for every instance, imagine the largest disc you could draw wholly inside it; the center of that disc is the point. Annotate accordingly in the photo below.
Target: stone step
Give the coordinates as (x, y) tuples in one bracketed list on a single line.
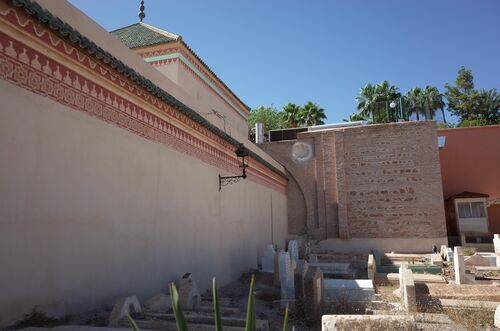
[(417, 278), (378, 304), (432, 318), (439, 327), (384, 312), (195, 323)]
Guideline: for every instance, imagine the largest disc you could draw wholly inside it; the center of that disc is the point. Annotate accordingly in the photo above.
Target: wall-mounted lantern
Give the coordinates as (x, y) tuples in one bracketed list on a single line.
[(242, 153)]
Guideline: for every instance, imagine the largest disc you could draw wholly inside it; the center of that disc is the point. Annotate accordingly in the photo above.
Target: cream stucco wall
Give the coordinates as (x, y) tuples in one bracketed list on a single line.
[(90, 212), (232, 123)]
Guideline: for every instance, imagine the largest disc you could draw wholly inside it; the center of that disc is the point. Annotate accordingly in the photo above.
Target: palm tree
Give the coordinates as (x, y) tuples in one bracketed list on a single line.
[(291, 115), (373, 100), (354, 118), (432, 101), (312, 114), (415, 102), (489, 106)]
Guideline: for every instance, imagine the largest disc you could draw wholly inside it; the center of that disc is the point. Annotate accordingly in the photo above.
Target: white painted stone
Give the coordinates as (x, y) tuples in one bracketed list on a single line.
[(293, 249), (459, 265), (371, 267), (268, 259), (352, 289), (497, 317), (443, 251), (160, 302), (449, 255), (189, 297), (496, 244), (409, 297), (123, 307)]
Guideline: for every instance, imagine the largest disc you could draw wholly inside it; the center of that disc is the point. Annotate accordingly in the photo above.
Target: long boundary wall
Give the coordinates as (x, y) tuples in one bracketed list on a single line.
[(106, 191)]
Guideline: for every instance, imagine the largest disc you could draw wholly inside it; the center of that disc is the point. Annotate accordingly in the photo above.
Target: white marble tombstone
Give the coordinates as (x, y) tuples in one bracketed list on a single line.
[(496, 244), (268, 259), (459, 265), (293, 249), (286, 276)]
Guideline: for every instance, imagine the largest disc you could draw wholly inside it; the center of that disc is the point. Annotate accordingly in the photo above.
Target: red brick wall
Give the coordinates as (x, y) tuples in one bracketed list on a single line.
[(393, 181), (374, 181)]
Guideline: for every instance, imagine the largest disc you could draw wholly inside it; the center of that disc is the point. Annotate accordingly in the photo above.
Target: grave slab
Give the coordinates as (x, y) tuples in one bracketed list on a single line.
[(122, 307), (367, 322), (476, 260), (359, 290)]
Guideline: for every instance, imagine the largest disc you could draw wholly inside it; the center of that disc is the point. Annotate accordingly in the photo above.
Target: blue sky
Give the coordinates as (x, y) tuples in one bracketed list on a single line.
[(280, 51)]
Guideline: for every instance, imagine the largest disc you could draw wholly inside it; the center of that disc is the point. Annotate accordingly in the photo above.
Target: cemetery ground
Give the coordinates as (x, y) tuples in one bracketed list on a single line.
[(381, 291)]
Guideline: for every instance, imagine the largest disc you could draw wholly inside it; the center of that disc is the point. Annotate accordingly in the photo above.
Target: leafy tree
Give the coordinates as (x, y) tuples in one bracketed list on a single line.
[(471, 106), (269, 116), (291, 115), (462, 98), (373, 100), (312, 114)]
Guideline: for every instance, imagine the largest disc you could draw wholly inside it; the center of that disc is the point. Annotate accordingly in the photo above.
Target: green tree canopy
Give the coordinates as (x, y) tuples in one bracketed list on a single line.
[(373, 99), (312, 114), (269, 116), (424, 102), (291, 115), (472, 107)]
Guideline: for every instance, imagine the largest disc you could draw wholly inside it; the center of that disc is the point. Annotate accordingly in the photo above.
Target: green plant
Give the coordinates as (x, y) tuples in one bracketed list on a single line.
[(250, 320), (132, 323), (286, 318), (469, 251), (250, 323), (176, 306), (218, 320)]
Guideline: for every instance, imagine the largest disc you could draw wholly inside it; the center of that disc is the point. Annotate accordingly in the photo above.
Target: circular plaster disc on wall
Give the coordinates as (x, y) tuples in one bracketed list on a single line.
[(301, 151)]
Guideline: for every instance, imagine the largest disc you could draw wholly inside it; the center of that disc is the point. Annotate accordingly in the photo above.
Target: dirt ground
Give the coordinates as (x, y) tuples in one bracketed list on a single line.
[(267, 301)]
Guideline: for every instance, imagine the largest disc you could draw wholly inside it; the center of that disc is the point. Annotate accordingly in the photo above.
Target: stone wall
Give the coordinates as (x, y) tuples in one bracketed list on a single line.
[(373, 181), (393, 181)]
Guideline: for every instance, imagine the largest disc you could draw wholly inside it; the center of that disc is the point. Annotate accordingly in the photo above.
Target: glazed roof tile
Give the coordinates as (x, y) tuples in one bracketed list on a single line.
[(142, 35)]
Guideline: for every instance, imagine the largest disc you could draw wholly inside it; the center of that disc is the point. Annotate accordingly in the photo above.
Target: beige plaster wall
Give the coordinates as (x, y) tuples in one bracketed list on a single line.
[(90, 212), (234, 122)]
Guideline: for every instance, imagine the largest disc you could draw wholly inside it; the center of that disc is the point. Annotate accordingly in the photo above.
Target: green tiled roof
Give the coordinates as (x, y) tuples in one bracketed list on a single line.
[(142, 35)]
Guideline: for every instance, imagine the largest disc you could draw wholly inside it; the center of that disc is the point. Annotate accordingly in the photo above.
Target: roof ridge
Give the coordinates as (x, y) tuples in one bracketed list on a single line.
[(123, 27), (161, 31)]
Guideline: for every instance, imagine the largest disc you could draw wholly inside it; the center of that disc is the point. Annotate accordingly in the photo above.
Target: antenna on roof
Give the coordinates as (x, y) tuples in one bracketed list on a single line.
[(141, 13)]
